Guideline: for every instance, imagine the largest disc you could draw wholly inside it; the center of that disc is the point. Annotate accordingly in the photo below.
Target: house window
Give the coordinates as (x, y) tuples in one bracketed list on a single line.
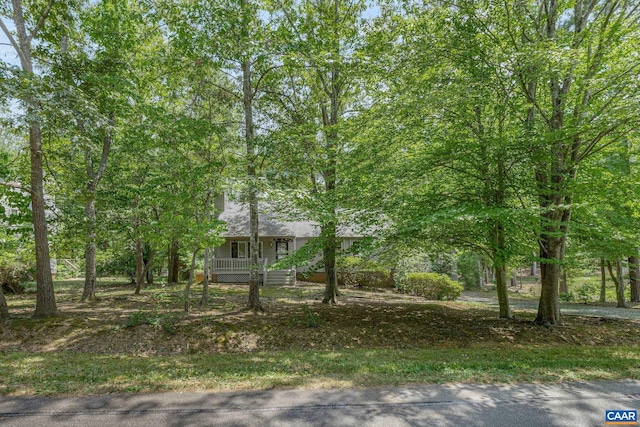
[(282, 249), (243, 249)]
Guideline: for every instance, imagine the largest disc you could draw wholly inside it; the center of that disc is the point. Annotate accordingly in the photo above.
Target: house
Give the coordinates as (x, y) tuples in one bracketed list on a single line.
[(277, 239)]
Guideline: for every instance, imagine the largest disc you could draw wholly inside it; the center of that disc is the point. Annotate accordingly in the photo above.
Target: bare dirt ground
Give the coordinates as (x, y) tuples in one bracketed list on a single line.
[(153, 323)]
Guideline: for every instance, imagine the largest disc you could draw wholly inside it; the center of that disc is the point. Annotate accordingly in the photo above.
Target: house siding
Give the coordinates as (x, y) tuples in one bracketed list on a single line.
[(268, 247), (269, 250)]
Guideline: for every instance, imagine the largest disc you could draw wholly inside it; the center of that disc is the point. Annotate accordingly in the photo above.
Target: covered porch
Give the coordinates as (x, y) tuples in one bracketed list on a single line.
[(236, 270)]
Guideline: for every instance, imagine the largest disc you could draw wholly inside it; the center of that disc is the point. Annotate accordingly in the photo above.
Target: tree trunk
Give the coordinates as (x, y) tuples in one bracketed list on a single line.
[(500, 269), (147, 265), (94, 177), (329, 256), (254, 276), (139, 266), (564, 287), (621, 286), (503, 294), (454, 267), (187, 288), (549, 305), (148, 254), (89, 292), (204, 301), (481, 274), (4, 308), (174, 262), (619, 282), (634, 278), (45, 297), (534, 269), (330, 120), (603, 282)]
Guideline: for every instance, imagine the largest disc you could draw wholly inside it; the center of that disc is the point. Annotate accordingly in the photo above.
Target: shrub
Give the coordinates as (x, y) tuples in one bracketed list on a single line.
[(432, 286), (164, 321), (374, 279), (12, 273), (588, 292), (118, 264), (354, 271), (407, 264), (566, 297)]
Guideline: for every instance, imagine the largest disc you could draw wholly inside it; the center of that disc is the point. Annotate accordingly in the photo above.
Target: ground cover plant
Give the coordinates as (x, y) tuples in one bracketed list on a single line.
[(129, 343)]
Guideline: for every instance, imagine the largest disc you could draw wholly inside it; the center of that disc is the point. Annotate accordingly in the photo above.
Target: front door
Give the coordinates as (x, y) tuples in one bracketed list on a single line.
[(282, 249)]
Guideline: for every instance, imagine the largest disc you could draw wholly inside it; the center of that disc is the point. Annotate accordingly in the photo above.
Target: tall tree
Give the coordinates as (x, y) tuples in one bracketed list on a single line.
[(605, 220), (312, 95), (578, 104), (445, 134), (572, 63), (28, 20), (96, 64), (234, 38)]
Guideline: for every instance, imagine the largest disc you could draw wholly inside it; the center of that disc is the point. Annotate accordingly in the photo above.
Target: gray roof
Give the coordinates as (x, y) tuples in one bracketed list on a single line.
[(236, 215)]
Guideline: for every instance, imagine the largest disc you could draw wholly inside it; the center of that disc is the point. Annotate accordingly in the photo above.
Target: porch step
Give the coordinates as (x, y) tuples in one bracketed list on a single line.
[(281, 277)]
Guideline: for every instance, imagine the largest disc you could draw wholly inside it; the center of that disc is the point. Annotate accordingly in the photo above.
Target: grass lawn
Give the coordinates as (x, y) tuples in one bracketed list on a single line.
[(145, 343)]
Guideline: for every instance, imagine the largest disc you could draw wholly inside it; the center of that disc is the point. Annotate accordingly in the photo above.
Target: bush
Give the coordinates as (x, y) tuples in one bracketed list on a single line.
[(588, 292), (164, 321), (566, 297), (118, 264), (12, 273), (407, 264), (354, 271), (374, 279), (432, 286)]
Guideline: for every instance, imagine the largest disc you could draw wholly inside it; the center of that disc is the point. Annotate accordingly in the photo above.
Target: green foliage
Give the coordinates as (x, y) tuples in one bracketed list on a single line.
[(587, 292), (355, 271), (468, 270), (164, 321), (13, 273), (432, 286), (118, 263), (566, 297), (410, 263), (313, 320), (16, 262)]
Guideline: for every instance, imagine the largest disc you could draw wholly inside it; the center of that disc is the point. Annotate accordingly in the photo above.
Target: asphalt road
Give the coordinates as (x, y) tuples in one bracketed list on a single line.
[(522, 405), (576, 309)]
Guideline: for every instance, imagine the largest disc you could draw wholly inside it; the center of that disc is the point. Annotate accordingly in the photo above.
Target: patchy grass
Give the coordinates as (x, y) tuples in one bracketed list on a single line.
[(135, 343), (73, 373)]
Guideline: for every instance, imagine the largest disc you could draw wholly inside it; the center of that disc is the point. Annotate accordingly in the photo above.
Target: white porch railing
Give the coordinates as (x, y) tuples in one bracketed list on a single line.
[(236, 264)]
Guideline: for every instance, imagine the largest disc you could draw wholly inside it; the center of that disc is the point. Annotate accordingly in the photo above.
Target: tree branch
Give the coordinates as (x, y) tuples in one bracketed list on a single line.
[(16, 186), (106, 146), (12, 40), (262, 76), (41, 20)]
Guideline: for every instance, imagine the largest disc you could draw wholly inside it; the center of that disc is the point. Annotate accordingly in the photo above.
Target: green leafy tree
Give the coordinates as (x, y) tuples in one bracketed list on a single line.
[(96, 64), (574, 65), (311, 95), (234, 37), (29, 20)]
